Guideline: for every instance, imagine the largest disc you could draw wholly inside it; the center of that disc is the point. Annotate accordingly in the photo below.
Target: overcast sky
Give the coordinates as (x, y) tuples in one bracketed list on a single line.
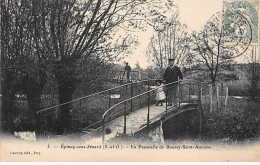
[(193, 13)]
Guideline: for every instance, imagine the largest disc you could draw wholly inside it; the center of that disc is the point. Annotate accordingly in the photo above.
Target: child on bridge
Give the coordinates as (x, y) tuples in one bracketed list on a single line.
[(160, 96)]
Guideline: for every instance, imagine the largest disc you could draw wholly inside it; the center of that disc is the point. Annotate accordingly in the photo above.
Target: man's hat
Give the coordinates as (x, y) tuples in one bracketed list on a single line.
[(171, 59)]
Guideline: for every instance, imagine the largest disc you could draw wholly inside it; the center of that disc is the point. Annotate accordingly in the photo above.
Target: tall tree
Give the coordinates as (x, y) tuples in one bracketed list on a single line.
[(76, 32), (171, 39), (24, 67), (211, 46), (67, 39)]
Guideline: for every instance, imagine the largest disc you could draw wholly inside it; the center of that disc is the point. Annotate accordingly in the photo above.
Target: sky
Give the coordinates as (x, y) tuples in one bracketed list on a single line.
[(193, 13)]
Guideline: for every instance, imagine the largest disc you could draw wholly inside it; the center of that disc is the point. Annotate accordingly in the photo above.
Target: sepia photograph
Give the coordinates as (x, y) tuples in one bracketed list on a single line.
[(130, 81)]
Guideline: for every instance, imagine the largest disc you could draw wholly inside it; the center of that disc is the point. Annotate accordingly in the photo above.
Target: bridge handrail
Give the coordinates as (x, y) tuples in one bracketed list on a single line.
[(103, 116), (125, 71), (199, 83), (121, 73), (91, 95), (124, 101)]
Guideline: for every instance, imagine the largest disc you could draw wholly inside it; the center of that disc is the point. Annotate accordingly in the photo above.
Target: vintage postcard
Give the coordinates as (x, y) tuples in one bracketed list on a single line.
[(130, 81)]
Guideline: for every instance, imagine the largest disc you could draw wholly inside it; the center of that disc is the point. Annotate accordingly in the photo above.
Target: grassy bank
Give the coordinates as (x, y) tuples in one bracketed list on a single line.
[(238, 122)]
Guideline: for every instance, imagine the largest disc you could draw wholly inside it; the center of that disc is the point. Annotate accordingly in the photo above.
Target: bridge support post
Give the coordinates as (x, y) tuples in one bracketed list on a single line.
[(217, 96), (131, 101), (181, 93), (80, 113), (112, 74), (200, 107), (109, 104), (126, 91), (201, 93), (148, 106), (147, 123), (221, 95), (179, 99), (103, 134), (139, 92), (125, 119), (118, 77), (109, 99), (166, 99), (189, 90)]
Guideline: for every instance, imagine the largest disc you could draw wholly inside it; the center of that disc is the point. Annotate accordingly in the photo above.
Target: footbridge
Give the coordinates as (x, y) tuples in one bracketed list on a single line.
[(120, 76), (127, 109)]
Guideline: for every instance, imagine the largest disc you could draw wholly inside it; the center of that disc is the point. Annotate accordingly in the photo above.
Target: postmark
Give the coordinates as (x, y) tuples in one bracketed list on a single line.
[(241, 21)]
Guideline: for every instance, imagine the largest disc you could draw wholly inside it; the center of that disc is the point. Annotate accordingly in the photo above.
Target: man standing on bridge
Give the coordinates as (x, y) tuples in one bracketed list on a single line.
[(127, 70), (172, 74)]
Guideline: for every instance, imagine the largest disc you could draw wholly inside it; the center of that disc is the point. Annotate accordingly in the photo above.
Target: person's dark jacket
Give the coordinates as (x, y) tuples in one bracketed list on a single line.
[(128, 68), (172, 74)]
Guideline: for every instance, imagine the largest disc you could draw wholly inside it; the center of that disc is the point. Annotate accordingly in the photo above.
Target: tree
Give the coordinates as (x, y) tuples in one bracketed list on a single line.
[(77, 32), (171, 39), (70, 41), (212, 48), (24, 67)]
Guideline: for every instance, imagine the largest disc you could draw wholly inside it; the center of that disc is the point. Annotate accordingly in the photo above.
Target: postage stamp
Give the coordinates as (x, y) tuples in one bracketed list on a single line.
[(241, 20), (133, 81)]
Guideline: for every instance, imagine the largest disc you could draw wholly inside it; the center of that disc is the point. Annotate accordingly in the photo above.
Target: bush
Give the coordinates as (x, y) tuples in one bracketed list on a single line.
[(238, 88), (239, 122)]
